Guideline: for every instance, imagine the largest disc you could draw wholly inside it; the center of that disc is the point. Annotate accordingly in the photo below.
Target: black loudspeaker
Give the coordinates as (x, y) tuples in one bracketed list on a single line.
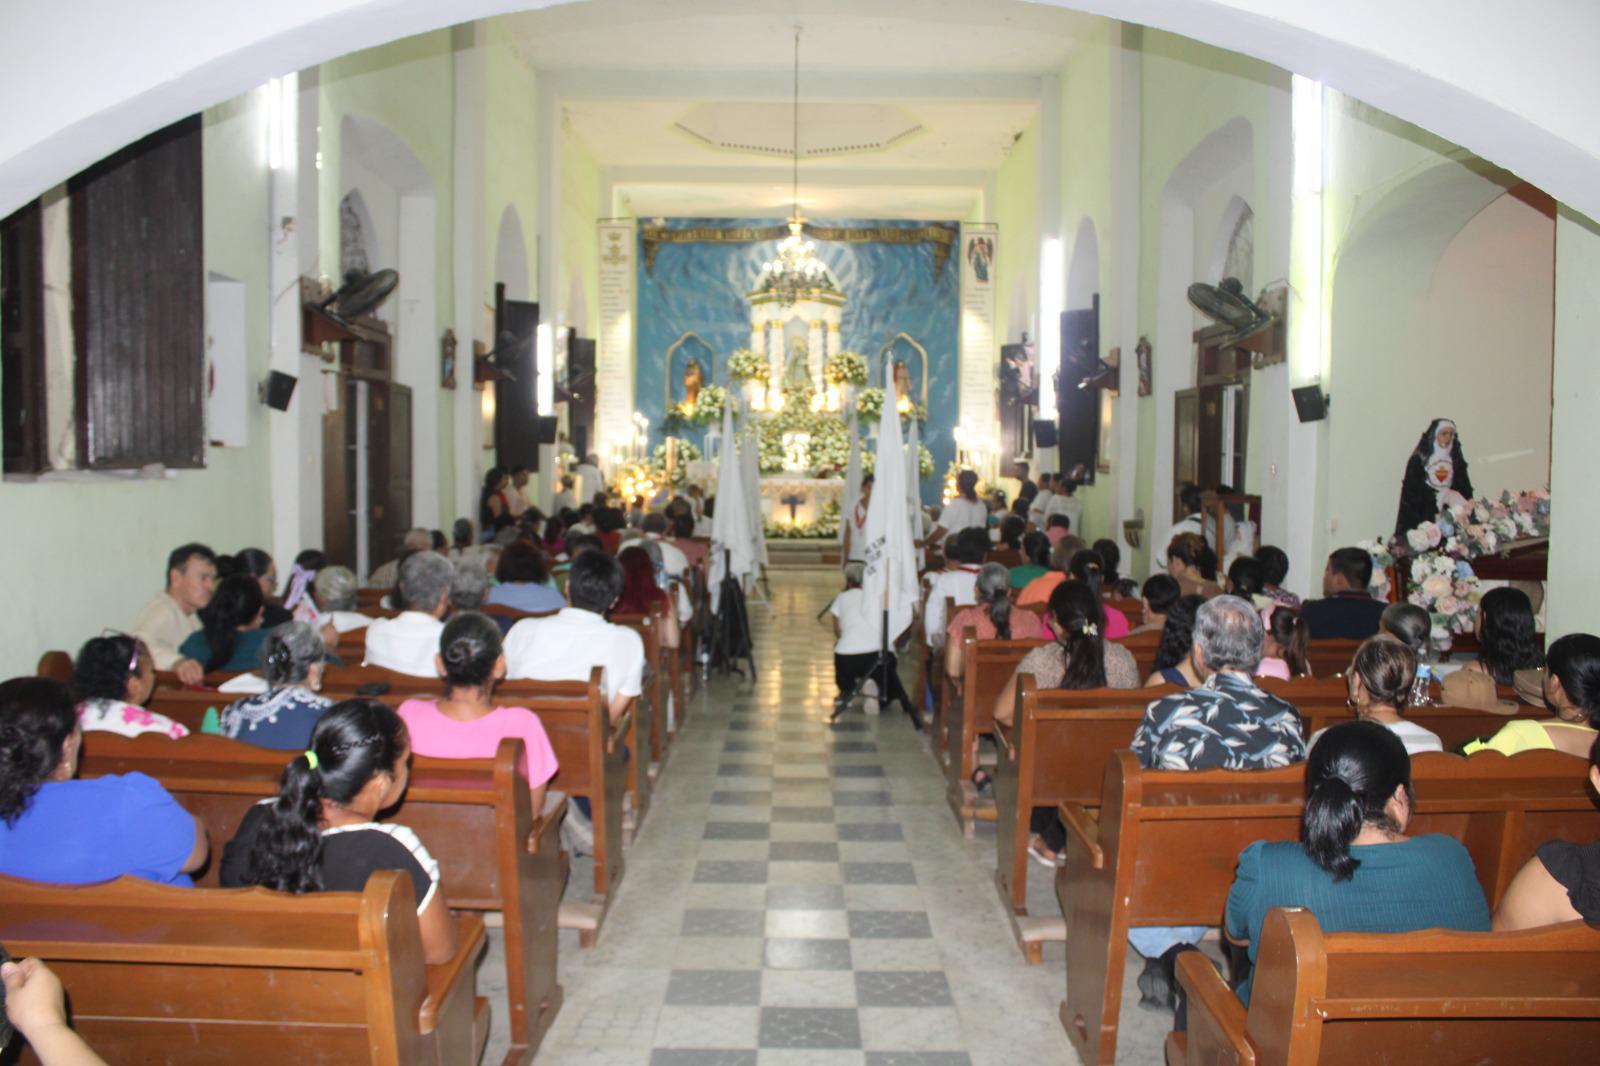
[(1310, 403), (544, 429), (278, 390), (1044, 432)]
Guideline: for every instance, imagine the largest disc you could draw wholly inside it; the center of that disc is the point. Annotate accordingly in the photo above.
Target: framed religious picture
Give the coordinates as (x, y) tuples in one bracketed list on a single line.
[(1141, 352), (447, 360)]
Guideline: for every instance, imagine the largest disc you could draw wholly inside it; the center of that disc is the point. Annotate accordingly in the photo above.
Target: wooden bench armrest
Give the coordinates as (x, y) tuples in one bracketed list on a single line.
[(1086, 827), (1003, 737), (1216, 1017), (545, 822), (443, 978)]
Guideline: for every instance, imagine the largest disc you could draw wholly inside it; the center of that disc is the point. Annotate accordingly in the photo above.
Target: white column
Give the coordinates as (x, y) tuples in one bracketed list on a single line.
[(1574, 581), (775, 354), (834, 342), (815, 352), (1052, 265), (286, 428), (467, 233)]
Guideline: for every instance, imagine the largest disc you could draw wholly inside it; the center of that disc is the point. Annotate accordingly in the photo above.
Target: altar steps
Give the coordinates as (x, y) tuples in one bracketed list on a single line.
[(802, 554)]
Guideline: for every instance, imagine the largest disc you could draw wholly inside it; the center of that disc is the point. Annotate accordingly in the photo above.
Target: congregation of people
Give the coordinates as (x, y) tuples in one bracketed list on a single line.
[(521, 594)]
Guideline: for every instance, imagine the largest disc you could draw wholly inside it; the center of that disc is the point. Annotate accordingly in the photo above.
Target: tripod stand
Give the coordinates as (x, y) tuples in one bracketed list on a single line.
[(884, 673)]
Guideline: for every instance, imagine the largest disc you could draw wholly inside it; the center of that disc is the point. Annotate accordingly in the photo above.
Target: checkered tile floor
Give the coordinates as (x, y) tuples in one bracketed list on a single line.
[(800, 893)]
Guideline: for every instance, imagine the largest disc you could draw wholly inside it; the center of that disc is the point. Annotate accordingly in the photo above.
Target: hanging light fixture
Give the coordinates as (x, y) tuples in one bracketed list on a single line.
[(796, 271)]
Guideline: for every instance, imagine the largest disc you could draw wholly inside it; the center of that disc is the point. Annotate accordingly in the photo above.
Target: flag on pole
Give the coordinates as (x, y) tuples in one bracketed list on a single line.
[(852, 480), (914, 486), (732, 546), (891, 572)]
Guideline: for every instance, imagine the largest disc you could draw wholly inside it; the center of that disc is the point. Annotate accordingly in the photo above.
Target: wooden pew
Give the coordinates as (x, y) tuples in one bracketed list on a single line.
[(1330, 658), (1163, 849), (473, 815), (986, 667), (1143, 648), (1425, 997), (160, 974), (650, 710), (1056, 750)]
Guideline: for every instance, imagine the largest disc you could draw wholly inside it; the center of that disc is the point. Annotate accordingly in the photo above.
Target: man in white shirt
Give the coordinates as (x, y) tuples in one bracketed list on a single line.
[(966, 511), (387, 575), (1066, 503), (590, 481), (673, 561), (1041, 500), (516, 493), (408, 643), (566, 645), (174, 614), (964, 554), (564, 498), (1190, 521)]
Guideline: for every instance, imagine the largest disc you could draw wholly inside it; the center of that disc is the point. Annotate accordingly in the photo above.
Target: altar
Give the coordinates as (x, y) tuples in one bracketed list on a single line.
[(798, 501)]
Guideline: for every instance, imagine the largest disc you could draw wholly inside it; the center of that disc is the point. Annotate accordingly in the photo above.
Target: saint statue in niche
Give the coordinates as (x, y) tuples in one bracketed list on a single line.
[(797, 371), (902, 380), (693, 378)]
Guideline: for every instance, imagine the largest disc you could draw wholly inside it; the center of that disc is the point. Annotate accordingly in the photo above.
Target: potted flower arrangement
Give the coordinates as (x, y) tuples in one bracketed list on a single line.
[(687, 453), (869, 404), (745, 365), (846, 369)]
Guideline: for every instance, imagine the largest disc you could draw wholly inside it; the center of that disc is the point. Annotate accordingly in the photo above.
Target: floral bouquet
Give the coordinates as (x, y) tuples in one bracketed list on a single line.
[(846, 368), (687, 453), (707, 412), (1382, 559), (869, 459), (1448, 590), (745, 365), (869, 404)]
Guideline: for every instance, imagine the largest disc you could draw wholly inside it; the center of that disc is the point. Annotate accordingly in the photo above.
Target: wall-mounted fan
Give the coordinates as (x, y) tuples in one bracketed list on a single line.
[(361, 293), (1228, 306)]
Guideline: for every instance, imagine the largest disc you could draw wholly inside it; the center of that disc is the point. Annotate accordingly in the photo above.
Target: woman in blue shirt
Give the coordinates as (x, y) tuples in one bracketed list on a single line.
[(66, 832), (522, 581), (283, 716), (230, 636), (1356, 869)]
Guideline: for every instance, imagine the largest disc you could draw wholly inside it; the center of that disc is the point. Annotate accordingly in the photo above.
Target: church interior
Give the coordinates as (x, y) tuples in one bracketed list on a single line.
[(326, 278)]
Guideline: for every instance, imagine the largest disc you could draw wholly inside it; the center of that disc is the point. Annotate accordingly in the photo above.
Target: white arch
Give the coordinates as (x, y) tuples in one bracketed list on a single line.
[(1511, 89), (1083, 274), (511, 255), (1237, 212)]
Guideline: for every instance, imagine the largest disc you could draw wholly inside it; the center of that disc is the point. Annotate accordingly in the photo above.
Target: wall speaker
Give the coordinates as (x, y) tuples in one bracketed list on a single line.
[(278, 390), (1310, 403), (544, 429), (1044, 432)]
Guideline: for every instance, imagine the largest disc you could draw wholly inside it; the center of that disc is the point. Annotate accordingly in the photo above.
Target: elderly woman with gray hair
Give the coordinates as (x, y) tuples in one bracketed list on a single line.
[(283, 716), (334, 591), (993, 617)]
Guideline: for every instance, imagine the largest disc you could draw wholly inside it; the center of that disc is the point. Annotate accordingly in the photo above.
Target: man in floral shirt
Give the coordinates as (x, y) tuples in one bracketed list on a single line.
[(1226, 724)]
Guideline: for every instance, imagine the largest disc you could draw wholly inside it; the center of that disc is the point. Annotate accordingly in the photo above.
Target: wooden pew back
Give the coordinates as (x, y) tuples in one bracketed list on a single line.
[(474, 816), (1430, 996), (165, 974), (1164, 849)]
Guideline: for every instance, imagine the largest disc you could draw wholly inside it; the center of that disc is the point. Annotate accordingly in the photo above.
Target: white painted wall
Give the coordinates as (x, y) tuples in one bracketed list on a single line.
[(1574, 586)]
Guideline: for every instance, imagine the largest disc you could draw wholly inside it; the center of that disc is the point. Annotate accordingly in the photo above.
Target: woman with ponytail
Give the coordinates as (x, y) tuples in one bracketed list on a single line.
[(1379, 685), (992, 617), (1354, 867), (1079, 657), (466, 723), (319, 834), (1090, 568)]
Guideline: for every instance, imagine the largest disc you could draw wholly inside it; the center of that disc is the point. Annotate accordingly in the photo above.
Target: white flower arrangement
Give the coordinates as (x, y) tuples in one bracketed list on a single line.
[(745, 365), (846, 368), (687, 453)]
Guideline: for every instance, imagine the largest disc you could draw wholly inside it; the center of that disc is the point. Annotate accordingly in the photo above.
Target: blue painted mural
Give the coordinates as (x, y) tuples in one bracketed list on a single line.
[(694, 297)]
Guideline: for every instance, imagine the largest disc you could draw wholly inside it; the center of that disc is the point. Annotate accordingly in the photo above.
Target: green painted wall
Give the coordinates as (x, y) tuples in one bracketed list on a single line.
[(580, 242), (511, 151), (85, 555), (1016, 210), (1574, 580)]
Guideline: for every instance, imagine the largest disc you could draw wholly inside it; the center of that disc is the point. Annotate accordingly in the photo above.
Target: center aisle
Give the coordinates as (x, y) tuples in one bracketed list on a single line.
[(800, 893)]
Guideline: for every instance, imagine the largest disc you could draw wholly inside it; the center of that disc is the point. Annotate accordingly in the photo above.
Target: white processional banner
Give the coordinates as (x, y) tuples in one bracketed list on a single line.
[(613, 370), (980, 356)]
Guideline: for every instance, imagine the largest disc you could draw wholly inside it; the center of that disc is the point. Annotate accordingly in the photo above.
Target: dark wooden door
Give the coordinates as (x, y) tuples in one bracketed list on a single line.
[(580, 386), (339, 477), (1078, 410), (388, 415), (1185, 442), (22, 365)]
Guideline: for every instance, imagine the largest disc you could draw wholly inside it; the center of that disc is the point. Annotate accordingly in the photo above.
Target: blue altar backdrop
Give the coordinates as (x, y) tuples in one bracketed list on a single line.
[(700, 288)]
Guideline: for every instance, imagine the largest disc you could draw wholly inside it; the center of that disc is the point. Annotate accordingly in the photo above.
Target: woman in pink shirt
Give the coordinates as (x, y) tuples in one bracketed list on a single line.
[(466, 724)]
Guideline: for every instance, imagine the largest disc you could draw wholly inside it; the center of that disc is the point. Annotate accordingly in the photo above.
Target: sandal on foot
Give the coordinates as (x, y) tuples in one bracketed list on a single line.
[(983, 781)]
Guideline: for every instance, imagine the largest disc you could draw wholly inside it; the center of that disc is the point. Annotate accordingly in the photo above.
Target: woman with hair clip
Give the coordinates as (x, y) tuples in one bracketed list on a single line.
[(112, 678), (1379, 685), (293, 659), (993, 617), (297, 599), (466, 723), (1078, 657), (1089, 568), (1572, 690), (1284, 644), (1174, 662), (1192, 562), (319, 834), (1354, 867), (230, 635), (1508, 636), (1561, 883)]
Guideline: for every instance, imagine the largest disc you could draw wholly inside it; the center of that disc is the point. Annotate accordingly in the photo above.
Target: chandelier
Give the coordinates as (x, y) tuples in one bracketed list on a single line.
[(796, 271)]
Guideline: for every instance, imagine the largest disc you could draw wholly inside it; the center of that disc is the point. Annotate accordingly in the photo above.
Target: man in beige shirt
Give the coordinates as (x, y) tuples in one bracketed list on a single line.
[(174, 614)]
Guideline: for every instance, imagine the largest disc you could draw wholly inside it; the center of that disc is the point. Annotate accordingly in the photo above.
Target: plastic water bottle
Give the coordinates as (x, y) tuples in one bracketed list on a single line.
[(1421, 686)]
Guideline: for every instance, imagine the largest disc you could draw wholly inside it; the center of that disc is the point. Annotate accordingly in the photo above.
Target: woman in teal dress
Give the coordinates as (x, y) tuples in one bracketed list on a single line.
[(230, 634), (1354, 867)]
